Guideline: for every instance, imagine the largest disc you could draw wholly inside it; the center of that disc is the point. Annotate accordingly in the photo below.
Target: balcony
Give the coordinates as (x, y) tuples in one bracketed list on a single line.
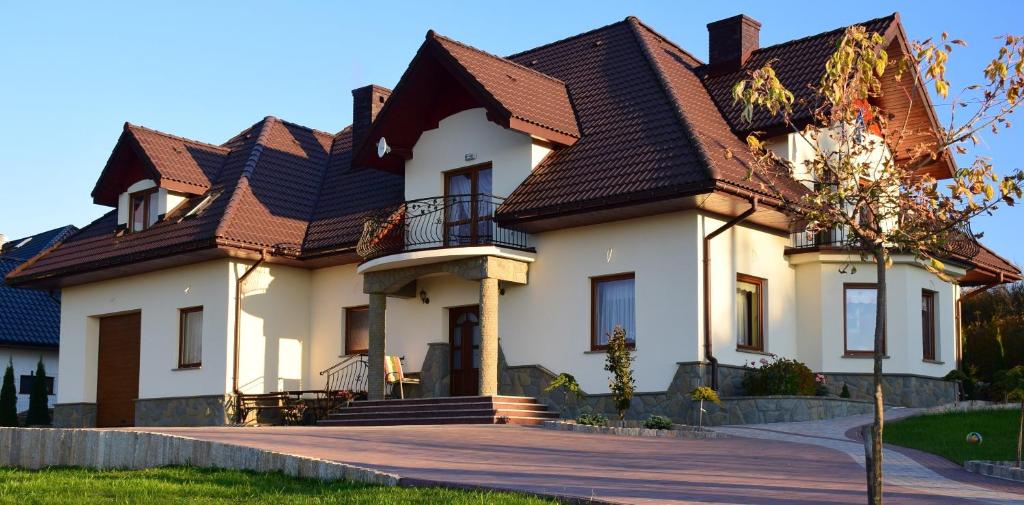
[(439, 224), (960, 243)]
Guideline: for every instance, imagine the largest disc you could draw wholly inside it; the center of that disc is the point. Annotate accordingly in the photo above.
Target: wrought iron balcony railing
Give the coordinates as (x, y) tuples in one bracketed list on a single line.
[(437, 222), (960, 241)]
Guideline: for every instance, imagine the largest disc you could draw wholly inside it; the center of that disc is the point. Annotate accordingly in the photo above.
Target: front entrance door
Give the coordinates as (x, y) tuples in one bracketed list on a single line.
[(464, 339), (117, 373)]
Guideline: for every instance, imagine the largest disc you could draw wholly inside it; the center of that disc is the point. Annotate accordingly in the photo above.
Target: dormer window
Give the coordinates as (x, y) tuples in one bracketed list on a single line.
[(143, 210)]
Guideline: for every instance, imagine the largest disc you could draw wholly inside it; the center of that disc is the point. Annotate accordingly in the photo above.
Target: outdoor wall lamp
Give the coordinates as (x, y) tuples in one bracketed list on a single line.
[(423, 297)]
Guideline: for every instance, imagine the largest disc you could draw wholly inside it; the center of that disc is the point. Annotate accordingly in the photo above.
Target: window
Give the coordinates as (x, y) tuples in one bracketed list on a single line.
[(143, 209), (860, 302), (27, 381), (468, 207), (357, 330), (190, 338), (749, 312), (613, 303), (928, 324)]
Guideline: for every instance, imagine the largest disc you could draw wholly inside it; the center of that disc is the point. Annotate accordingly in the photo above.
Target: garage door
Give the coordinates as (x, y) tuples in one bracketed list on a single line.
[(117, 376)]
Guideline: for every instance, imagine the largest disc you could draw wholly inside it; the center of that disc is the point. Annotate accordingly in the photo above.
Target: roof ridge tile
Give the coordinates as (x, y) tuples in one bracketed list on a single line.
[(130, 126), (438, 36)]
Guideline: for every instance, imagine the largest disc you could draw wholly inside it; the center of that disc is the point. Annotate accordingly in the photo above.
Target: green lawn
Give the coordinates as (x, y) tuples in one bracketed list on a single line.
[(945, 434), (198, 486)]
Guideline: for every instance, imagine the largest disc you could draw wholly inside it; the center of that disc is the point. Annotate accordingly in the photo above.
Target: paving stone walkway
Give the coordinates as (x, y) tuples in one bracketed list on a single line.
[(609, 468), (902, 467)]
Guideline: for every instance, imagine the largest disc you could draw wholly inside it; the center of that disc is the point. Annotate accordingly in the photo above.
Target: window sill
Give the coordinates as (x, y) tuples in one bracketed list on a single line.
[(749, 350), (933, 362), (186, 368), (861, 356), (605, 351)]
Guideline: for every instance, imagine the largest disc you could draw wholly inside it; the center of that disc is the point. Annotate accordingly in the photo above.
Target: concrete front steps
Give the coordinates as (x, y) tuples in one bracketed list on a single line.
[(449, 410)]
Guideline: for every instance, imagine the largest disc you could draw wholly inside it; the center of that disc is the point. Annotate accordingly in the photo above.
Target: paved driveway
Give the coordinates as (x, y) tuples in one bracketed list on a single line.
[(611, 468)]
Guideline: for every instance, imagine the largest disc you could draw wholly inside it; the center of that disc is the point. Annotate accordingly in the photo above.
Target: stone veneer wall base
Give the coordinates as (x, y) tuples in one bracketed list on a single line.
[(36, 448), (209, 410), (74, 415)]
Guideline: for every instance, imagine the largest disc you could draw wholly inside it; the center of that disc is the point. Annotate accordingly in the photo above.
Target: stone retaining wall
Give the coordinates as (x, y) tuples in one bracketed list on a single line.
[(781, 409), (35, 448), (903, 390)]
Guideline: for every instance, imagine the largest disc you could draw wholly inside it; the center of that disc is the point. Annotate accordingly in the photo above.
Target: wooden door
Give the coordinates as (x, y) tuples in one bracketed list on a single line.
[(464, 339), (117, 374)]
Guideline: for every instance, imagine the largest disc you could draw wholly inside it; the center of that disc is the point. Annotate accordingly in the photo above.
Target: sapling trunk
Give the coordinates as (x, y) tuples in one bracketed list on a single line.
[(874, 466), (1020, 432)]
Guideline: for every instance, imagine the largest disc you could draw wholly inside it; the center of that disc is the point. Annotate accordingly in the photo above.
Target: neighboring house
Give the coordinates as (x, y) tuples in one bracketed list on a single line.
[(491, 220), (29, 319)]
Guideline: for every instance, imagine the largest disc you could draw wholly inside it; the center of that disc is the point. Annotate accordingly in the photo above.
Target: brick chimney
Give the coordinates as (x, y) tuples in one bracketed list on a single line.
[(367, 102), (730, 42)]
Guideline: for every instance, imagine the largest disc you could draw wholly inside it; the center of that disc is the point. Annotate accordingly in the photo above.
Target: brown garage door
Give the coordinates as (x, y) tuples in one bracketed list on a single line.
[(117, 376)]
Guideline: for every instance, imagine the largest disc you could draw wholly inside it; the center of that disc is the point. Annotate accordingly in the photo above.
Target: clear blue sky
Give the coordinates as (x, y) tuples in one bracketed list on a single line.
[(73, 73)]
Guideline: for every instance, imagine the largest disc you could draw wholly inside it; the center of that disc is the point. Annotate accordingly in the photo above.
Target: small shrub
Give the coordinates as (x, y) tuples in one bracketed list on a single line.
[(592, 419), (779, 376), (845, 393), (8, 398), (658, 423), (567, 383), (702, 394), (619, 361)]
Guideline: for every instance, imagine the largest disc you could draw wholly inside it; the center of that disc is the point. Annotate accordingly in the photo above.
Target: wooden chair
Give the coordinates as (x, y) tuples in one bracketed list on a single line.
[(393, 374)]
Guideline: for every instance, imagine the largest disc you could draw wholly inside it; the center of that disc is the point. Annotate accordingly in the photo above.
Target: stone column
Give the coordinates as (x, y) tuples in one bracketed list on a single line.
[(375, 360), (488, 336)]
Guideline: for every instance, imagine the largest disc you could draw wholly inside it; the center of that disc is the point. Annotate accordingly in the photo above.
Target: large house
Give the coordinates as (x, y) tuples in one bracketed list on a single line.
[(490, 219), (29, 319)]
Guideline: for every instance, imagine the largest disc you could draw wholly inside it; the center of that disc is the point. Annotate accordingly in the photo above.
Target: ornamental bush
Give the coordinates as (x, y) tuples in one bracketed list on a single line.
[(592, 419), (658, 423), (779, 376), (619, 361)]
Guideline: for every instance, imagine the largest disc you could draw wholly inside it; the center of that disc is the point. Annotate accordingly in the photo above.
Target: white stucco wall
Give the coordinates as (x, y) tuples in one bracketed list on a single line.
[(158, 295), (548, 321), (750, 251), (512, 154), (820, 302), (25, 360), (274, 337)]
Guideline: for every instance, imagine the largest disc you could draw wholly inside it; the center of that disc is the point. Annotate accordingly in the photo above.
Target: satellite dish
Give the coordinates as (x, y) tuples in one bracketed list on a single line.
[(382, 147)]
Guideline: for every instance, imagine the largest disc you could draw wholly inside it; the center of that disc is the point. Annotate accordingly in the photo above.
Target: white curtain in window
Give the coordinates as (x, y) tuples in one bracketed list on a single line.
[(192, 343), (138, 209), (861, 304), (154, 208), (746, 314), (616, 306)]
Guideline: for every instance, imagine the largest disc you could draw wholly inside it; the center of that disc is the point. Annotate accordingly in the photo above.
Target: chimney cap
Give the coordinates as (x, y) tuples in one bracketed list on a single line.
[(733, 19)]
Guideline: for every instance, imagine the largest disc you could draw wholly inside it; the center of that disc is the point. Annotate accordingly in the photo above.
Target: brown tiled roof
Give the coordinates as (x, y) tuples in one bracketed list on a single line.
[(348, 195), (798, 64), (526, 94), (650, 130), (988, 259), (174, 162)]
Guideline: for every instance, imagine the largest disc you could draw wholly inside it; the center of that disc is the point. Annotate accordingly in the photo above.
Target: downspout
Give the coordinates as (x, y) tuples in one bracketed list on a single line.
[(709, 356), (238, 331)]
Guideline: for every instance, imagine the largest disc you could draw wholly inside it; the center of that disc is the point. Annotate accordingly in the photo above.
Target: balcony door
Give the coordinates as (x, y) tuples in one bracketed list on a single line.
[(464, 341), (469, 207)]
